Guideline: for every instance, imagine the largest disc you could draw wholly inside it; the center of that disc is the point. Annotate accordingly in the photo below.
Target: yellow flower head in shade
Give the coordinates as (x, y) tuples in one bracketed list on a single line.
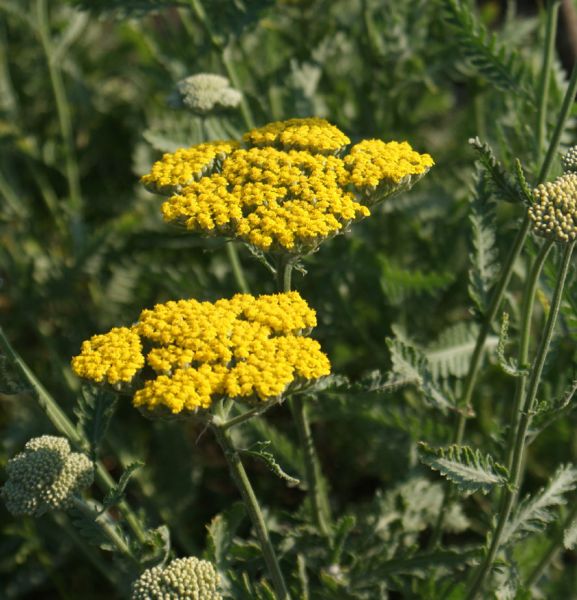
[(313, 135), (112, 358), (554, 210), (391, 166), (185, 165), (288, 190), (246, 347)]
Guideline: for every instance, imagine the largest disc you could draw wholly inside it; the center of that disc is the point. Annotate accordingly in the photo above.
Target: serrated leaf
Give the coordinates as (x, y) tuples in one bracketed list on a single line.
[(468, 469), (483, 257), (261, 451), (451, 353), (116, 494), (94, 410), (501, 183), (534, 513), (221, 532), (410, 366), (509, 366), (157, 547), (399, 283)]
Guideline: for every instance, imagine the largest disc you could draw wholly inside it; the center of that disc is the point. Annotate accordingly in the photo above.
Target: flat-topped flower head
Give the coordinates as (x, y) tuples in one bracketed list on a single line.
[(45, 476), (554, 210), (114, 357), (378, 169), (186, 165), (248, 348), (289, 190), (312, 135), (207, 92), (182, 579), (569, 160)]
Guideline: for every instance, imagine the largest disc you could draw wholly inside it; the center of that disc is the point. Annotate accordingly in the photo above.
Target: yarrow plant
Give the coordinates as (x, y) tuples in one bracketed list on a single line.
[(205, 92), (182, 579), (289, 186), (45, 476)]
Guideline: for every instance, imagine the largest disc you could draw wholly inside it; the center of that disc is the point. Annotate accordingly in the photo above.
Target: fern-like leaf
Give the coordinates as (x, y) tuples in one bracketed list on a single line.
[(502, 184), (484, 254), (410, 365), (509, 366), (116, 493), (536, 512), (450, 354), (94, 410), (399, 283), (468, 469), (503, 69), (261, 450)]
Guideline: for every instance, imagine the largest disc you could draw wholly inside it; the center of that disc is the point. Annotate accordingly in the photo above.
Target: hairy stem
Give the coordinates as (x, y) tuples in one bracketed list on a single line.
[(253, 509), (521, 434)]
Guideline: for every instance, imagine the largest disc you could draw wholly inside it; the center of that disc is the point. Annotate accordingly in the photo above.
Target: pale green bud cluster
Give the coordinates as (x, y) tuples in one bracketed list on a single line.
[(554, 210), (569, 160), (45, 476), (183, 579), (205, 92)]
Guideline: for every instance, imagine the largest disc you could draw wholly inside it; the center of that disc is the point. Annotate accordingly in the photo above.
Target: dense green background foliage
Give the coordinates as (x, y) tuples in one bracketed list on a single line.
[(84, 112)]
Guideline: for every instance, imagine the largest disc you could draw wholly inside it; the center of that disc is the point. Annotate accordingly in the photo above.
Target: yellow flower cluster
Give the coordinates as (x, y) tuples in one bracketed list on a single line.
[(246, 347), (114, 357), (288, 191), (271, 199), (313, 135), (373, 162), (185, 165), (554, 210)]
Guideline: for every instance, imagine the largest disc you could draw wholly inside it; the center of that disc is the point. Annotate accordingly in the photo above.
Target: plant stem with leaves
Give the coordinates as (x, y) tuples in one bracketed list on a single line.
[(253, 508), (520, 441)]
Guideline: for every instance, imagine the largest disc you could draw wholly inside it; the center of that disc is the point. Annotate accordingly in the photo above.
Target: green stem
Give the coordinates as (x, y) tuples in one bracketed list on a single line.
[(318, 499), (563, 115), (237, 269), (63, 111), (107, 528), (253, 508), (316, 491), (63, 424), (543, 89), (510, 493), (523, 353), (245, 416)]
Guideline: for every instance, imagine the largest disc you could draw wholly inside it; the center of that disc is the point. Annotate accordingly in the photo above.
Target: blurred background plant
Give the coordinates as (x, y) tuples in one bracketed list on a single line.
[(84, 111)]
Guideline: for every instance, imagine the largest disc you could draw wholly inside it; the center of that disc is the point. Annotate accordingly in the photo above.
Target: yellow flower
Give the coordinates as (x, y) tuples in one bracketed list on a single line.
[(289, 190), (312, 134), (114, 357), (185, 165), (249, 348), (554, 210)]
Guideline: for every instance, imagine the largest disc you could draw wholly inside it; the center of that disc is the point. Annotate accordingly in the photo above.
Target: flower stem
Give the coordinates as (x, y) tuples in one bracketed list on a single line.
[(543, 89), (253, 508), (316, 491), (64, 118), (237, 269), (523, 353), (107, 528), (65, 426), (518, 454)]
